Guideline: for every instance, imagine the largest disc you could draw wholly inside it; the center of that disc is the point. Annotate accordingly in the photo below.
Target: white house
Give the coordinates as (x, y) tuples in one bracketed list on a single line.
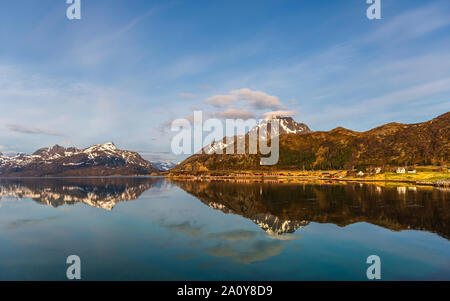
[(360, 174), (400, 170), (412, 171)]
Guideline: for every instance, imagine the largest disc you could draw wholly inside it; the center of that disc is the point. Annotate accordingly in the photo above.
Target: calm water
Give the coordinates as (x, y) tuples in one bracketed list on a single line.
[(153, 229)]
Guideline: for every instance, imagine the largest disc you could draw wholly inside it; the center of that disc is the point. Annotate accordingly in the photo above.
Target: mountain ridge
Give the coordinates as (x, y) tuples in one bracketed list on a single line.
[(390, 145), (97, 160)]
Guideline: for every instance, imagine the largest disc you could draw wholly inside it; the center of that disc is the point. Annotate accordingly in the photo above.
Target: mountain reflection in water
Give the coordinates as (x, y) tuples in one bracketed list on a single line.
[(276, 208), (283, 208), (102, 193)]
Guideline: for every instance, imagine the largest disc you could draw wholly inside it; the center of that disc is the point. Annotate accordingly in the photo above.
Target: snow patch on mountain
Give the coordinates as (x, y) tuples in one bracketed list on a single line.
[(287, 125), (165, 165)]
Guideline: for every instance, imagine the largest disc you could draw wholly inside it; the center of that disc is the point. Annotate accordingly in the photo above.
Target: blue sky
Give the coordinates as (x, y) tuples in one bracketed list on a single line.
[(129, 67)]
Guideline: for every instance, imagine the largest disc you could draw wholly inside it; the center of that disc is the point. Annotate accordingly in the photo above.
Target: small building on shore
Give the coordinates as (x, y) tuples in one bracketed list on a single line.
[(401, 170)]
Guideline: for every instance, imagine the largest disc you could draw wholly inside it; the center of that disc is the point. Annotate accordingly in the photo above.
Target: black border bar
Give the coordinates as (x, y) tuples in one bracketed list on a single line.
[(171, 289)]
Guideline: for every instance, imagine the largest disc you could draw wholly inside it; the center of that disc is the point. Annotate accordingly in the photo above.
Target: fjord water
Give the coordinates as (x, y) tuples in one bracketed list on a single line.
[(156, 229)]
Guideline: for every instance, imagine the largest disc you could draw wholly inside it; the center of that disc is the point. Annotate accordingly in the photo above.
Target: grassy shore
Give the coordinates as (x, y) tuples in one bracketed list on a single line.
[(421, 176), (429, 175)]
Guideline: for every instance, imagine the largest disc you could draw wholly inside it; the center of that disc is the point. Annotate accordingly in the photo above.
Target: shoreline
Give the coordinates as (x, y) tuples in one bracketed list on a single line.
[(254, 178), (442, 181), (82, 177), (290, 180), (281, 180)]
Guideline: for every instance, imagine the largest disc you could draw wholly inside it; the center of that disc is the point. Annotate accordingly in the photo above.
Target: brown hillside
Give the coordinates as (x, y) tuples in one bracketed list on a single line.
[(392, 144)]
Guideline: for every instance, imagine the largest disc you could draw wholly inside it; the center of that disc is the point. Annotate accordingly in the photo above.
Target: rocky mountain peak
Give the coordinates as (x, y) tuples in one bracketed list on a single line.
[(56, 149), (287, 125), (109, 146)]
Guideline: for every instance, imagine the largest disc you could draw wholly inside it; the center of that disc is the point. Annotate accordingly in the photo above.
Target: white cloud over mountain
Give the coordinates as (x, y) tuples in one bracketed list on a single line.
[(258, 99), (233, 114), (246, 103), (280, 113)]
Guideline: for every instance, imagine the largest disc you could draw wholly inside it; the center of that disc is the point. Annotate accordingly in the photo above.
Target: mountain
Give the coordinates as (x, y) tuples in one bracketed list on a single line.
[(164, 165), (56, 161), (391, 145), (287, 126)]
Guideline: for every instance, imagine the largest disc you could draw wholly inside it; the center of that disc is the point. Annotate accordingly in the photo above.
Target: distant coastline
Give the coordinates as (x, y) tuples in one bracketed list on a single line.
[(427, 176)]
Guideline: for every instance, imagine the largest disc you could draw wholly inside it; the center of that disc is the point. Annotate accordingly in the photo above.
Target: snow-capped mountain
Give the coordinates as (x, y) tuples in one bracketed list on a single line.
[(287, 125), (164, 165), (98, 160)]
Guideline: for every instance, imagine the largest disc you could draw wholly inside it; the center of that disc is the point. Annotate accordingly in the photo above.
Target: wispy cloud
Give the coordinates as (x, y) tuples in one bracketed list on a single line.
[(102, 47), (411, 93), (413, 24), (221, 100), (188, 95), (31, 130), (233, 114), (30, 222), (257, 100), (402, 97), (87, 113)]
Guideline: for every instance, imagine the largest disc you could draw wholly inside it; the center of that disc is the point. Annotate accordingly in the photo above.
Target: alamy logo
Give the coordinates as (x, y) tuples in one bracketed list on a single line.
[(234, 133), (74, 270), (74, 10), (374, 270), (374, 10)]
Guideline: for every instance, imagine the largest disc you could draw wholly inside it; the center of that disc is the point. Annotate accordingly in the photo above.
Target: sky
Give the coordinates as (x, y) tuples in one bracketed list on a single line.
[(129, 67)]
